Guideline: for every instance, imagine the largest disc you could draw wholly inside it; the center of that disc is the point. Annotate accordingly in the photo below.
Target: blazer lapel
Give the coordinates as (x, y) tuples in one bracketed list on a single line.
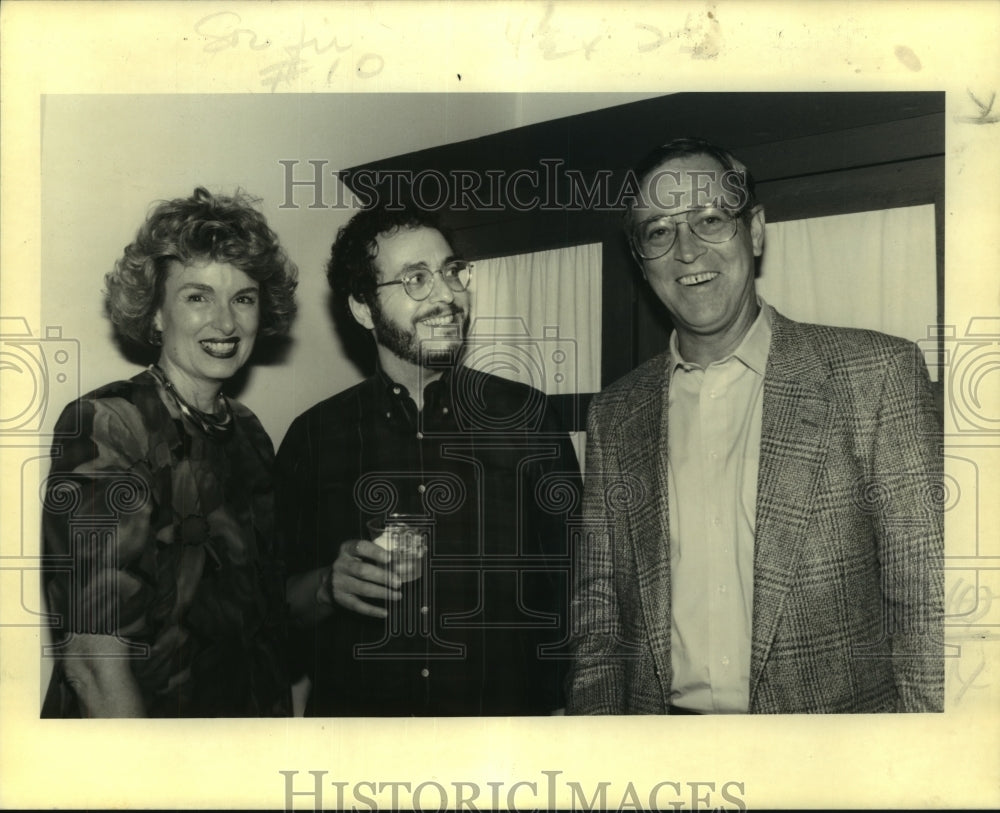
[(795, 436), (648, 523)]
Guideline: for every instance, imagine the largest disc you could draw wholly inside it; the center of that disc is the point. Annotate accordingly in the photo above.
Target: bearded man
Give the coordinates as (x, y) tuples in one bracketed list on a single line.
[(466, 458)]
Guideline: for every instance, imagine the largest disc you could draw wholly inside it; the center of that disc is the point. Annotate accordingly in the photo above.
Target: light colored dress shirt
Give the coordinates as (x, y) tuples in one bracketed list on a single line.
[(713, 458)]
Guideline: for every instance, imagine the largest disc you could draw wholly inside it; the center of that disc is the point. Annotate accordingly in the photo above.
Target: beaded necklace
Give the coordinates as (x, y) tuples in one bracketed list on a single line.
[(218, 426)]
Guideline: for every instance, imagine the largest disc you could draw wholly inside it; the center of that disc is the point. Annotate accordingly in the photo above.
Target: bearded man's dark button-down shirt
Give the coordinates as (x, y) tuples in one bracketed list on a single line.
[(489, 468)]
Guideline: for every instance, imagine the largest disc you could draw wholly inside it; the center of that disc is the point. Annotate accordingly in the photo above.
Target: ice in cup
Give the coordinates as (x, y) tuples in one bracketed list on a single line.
[(406, 543)]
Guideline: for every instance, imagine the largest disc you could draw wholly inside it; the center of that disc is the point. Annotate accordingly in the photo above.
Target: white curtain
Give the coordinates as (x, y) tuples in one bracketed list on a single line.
[(536, 318), (873, 270)]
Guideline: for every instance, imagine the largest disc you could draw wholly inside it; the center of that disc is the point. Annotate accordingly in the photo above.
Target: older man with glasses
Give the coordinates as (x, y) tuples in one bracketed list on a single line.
[(778, 547), (429, 570)]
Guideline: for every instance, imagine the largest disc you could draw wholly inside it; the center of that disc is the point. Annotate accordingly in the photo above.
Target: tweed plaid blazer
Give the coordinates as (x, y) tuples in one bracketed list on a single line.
[(848, 552)]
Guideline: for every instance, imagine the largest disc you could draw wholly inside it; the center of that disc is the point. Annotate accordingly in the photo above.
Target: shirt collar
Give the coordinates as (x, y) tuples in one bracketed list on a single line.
[(390, 391), (752, 351)]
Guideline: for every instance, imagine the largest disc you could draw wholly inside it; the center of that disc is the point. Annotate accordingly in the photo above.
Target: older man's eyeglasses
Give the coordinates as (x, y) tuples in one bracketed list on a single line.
[(653, 238), (419, 282)]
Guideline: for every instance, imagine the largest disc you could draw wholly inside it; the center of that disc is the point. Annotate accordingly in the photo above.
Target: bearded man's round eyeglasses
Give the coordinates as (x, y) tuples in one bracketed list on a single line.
[(419, 282), (654, 237)]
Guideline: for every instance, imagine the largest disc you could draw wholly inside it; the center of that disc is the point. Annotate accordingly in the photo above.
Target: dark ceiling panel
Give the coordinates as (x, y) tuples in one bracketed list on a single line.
[(617, 137)]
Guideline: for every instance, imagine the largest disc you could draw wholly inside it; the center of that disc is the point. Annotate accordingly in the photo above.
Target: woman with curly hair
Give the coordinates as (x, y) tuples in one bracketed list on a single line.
[(161, 569)]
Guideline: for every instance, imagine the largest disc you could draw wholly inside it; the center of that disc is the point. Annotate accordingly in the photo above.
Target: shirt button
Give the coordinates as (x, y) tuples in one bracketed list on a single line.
[(725, 661), (421, 488), (444, 410), (722, 588), (420, 435), (395, 390), (716, 522), (388, 414), (425, 673), (424, 610), (711, 394)]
